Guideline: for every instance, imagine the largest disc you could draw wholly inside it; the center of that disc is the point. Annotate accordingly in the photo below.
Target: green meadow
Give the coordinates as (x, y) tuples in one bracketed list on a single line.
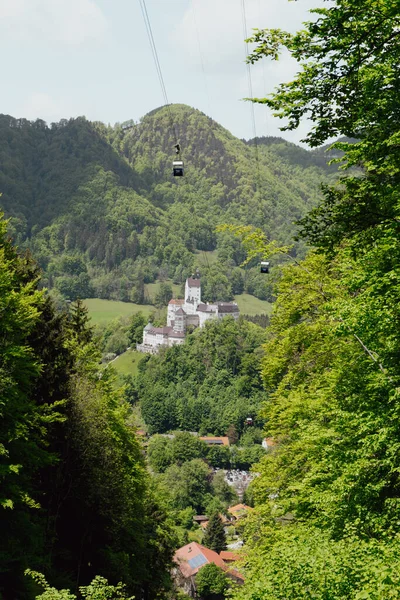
[(250, 305), (102, 311), (127, 363)]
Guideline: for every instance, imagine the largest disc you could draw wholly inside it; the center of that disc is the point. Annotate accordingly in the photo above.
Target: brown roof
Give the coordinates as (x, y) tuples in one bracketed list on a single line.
[(178, 301), (193, 282), (160, 330), (180, 311), (229, 556), (193, 556), (217, 441), (234, 574), (166, 331), (239, 510), (270, 441), (176, 334), (227, 307), (206, 307)]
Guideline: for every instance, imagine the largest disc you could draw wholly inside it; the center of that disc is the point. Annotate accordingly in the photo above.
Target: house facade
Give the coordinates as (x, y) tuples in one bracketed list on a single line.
[(182, 313), (188, 561)]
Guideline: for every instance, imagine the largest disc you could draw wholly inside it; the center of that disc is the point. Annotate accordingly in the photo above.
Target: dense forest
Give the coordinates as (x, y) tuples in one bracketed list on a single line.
[(76, 499), (99, 208)]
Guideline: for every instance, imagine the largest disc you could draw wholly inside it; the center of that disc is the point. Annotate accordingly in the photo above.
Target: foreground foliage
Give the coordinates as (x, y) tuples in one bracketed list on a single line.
[(327, 519), (211, 582), (98, 589), (75, 497)]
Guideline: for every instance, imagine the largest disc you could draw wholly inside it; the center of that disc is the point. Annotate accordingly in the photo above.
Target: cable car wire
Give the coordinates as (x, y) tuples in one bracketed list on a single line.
[(250, 87), (201, 56), (150, 35)]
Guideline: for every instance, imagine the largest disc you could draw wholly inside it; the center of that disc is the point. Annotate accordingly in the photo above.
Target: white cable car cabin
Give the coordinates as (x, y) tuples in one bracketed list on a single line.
[(264, 267), (177, 168)]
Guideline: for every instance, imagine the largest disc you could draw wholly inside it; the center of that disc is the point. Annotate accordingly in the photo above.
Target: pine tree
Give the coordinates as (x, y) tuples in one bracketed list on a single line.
[(214, 535)]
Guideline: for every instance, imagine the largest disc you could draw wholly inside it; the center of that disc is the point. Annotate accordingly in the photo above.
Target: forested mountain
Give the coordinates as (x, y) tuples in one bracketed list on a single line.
[(102, 213)]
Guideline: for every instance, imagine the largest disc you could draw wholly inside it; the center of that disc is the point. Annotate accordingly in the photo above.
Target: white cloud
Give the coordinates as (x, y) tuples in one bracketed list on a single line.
[(217, 26), (65, 22), (211, 35), (40, 105)]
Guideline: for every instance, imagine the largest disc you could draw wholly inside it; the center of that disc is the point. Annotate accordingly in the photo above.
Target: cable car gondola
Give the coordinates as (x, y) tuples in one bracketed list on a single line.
[(177, 168), (177, 165), (264, 267)]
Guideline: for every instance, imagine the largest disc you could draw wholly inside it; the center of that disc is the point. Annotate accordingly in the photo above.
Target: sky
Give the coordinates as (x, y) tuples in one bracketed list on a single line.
[(65, 58)]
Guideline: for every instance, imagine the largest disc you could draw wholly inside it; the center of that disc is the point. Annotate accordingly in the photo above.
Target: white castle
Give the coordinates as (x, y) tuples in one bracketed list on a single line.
[(182, 313)]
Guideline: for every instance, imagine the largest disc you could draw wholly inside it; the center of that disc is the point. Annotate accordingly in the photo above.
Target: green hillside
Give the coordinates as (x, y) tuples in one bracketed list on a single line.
[(104, 217)]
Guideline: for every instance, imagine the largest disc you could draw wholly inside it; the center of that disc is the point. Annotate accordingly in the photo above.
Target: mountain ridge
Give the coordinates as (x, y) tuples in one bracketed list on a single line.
[(107, 197)]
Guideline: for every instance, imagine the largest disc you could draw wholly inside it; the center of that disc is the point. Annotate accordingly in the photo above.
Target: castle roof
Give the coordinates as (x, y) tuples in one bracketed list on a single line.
[(210, 308), (166, 332), (177, 301), (176, 334), (227, 307), (180, 311), (193, 282), (159, 330)]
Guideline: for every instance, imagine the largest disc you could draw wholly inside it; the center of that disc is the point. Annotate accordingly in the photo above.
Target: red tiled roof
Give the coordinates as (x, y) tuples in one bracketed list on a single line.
[(202, 555), (178, 301)]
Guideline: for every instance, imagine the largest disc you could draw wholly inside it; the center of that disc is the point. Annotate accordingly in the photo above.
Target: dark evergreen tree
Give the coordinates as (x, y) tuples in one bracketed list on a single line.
[(214, 535)]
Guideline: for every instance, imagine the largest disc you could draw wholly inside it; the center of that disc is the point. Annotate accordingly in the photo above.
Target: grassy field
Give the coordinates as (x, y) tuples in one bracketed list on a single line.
[(249, 305), (124, 364), (151, 289), (127, 363), (102, 311)]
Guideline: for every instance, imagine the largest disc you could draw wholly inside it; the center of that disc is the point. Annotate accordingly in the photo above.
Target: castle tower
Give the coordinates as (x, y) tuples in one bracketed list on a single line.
[(180, 321), (192, 295)]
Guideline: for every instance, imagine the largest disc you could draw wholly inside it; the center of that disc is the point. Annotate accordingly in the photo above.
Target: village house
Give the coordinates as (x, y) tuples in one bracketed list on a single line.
[(182, 313), (269, 443), (191, 558), (215, 441), (239, 510)]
